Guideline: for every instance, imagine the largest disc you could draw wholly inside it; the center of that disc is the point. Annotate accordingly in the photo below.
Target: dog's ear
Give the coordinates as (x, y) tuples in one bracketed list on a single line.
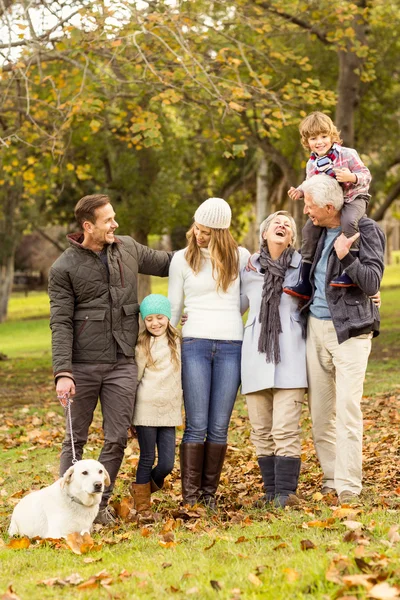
[(67, 477), (107, 479)]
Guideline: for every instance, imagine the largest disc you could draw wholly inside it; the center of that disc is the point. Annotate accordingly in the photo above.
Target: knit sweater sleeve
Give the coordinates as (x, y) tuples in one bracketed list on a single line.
[(175, 286), (140, 361)]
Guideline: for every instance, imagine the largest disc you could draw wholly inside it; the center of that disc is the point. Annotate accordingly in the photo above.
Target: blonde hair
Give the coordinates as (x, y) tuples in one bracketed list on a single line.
[(224, 256), (173, 337), (316, 123)]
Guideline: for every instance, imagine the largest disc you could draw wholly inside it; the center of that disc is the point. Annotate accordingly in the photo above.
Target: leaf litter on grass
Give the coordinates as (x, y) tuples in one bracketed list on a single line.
[(240, 486)]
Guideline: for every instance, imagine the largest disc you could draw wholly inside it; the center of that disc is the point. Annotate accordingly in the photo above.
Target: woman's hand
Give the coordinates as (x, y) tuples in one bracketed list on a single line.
[(184, 318), (250, 266)]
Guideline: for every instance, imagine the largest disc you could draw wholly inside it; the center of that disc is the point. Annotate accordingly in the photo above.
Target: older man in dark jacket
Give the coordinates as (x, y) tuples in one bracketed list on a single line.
[(341, 324), (94, 321)]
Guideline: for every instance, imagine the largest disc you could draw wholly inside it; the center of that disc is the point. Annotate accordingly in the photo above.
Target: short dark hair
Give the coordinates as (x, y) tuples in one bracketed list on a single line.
[(86, 207)]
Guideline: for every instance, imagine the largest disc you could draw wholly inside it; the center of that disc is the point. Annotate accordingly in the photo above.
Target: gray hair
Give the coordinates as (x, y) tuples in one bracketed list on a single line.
[(267, 222), (324, 190)]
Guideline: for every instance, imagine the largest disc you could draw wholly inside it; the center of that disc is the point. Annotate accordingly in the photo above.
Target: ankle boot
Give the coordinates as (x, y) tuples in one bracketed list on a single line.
[(154, 487), (267, 468), (214, 456), (344, 281), (141, 495), (303, 289), (287, 471), (191, 458)]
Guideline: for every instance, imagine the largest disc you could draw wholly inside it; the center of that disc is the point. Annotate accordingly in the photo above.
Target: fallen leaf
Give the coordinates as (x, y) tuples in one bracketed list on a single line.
[(166, 565), (322, 524), (80, 544), (19, 543), (291, 575), (353, 525), (317, 496), (341, 513), (307, 545), (393, 535), (145, 532), (356, 580), (281, 545), (241, 539), (254, 579), (211, 545), (215, 585), (383, 591), (10, 594)]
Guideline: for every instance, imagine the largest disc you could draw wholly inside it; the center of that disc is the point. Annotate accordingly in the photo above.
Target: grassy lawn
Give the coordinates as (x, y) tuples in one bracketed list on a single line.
[(312, 551)]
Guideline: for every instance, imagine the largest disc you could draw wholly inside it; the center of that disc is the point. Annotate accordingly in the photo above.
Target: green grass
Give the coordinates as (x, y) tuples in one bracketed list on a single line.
[(226, 548)]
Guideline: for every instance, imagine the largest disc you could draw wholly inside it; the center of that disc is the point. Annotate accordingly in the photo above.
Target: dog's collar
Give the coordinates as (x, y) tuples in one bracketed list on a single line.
[(75, 499)]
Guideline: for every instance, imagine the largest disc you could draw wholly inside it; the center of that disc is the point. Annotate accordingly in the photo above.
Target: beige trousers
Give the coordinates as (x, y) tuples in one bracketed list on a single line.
[(275, 420), (336, 375)]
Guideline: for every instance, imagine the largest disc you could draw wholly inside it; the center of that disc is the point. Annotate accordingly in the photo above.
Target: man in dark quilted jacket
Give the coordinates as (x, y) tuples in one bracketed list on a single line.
[(94, 322)]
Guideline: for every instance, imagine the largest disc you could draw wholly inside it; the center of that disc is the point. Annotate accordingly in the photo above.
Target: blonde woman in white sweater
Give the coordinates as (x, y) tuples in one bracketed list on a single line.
[(158, 407), (204, 283)]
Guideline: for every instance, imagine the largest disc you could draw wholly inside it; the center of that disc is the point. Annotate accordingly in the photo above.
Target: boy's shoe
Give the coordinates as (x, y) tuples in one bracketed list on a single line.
[(106, 516), (343, 281), (348, 497), (303, 289)]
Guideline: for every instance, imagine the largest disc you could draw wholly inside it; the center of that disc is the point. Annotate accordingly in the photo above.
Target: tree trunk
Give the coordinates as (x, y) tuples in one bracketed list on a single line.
[(6, 281), (349, 85), (262, 204), (144, 281), (9, 235)]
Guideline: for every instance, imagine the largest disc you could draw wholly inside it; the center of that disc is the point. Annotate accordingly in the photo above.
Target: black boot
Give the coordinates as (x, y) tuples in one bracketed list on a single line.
[(303, 288), (287, 471), (344, 281), (267, 468), (191, 457), (214, 456)]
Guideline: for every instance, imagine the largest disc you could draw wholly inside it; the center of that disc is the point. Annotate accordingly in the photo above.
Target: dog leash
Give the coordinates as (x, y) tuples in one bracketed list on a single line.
[(65, 402)]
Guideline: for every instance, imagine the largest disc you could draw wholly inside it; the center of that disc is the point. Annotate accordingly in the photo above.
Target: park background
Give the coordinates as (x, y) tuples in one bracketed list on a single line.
[(162, 104)]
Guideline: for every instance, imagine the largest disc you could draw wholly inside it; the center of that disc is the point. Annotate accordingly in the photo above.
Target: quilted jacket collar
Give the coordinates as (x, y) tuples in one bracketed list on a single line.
[(76, 239)]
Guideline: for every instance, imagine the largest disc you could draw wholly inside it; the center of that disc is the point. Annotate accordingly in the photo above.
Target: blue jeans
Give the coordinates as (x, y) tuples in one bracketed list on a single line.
[(210, 381), (149, 438)]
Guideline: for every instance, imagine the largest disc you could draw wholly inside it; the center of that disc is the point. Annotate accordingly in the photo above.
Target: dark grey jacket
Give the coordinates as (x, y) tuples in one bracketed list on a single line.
[(352, 311), (91, 313)]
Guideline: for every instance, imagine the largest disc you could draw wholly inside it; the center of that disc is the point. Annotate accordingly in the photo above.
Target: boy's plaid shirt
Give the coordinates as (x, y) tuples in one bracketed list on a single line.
[(348, 157)]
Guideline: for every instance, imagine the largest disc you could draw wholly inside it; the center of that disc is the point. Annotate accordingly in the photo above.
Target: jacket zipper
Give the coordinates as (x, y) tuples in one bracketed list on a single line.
[(121, 272), (82, 327)]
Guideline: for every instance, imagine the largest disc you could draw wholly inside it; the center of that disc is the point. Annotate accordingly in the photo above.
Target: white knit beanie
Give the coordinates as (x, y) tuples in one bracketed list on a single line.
[(214, 213)]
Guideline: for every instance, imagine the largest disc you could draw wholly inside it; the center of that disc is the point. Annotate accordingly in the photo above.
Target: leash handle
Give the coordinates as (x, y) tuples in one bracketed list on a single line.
[(65, 402), (74, 460)]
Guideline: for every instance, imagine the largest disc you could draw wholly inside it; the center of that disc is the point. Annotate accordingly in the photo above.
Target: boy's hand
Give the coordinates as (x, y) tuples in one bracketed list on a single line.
[(295, 193), (344, 175)]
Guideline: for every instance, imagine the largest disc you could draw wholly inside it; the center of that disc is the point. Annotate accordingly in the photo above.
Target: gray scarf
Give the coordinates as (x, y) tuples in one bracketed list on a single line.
[(275, 271)]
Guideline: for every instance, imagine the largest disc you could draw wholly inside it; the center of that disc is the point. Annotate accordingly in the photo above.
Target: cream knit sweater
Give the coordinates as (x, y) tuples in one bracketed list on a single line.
[(211, 313), (159, 393)]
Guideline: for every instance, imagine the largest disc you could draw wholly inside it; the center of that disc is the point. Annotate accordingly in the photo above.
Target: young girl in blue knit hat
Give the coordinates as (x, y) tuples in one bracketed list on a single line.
[(158, 399)]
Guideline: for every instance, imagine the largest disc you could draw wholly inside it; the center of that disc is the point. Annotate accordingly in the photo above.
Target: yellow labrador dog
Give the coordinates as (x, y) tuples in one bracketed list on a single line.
[(71, 504)]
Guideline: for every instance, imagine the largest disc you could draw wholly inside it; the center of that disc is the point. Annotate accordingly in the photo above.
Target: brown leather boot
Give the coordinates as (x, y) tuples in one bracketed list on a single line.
[(191, 457), (214, 456), (141, 495)]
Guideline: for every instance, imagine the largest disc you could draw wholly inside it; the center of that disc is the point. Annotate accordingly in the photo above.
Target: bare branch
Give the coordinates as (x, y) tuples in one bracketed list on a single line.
[(296, 21)]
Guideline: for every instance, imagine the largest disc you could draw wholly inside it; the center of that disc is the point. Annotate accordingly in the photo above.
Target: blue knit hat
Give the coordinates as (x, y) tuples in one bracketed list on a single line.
[(155, 304)]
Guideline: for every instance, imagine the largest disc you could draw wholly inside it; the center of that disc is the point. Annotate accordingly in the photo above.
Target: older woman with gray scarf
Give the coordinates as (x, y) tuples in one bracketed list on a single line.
[(274, 357)]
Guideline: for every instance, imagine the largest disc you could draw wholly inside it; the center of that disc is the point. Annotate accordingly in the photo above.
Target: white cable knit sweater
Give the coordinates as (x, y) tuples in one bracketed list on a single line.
[(159, 393), (211, 314)]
